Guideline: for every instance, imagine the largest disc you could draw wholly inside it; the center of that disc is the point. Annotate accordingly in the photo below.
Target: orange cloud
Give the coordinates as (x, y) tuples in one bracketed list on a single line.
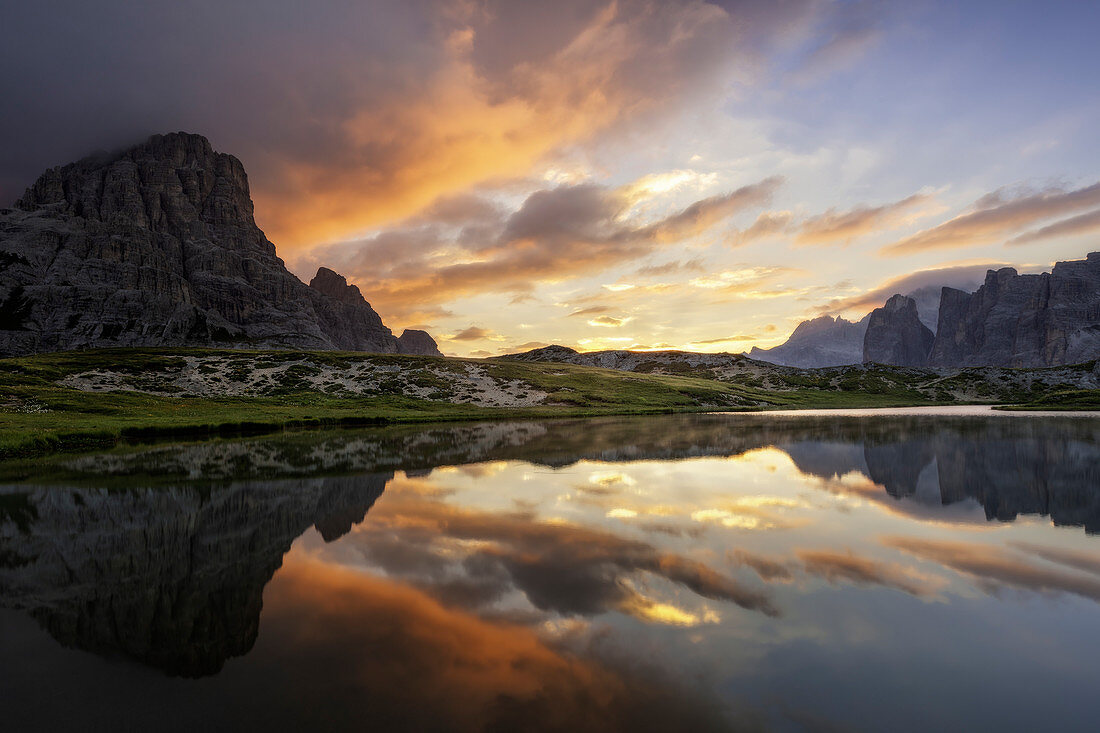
[(994, 567), (561, 568), (841, 227), (836, 567), (555, 234), (468, 121), (395, 654), (996, 216)]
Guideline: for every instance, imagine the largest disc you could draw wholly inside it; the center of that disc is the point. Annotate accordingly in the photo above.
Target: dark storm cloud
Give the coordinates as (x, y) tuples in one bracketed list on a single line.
[(352, 114)]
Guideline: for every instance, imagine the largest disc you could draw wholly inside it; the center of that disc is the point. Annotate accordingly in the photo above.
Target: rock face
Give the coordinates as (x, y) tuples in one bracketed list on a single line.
[(157, 246), (414, 341), (895, 334), (821, 342), (1023, 320)]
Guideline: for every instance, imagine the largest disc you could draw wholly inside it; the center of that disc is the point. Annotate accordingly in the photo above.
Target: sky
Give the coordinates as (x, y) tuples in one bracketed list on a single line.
[(595, 173)]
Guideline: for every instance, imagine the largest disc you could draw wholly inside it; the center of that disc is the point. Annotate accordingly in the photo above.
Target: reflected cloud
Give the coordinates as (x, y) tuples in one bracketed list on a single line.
[(838, 567), (393, 653), (558, 566), (767, 568), (995, 567)]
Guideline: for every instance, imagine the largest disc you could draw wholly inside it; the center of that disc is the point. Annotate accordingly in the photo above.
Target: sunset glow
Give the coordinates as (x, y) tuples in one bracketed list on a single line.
[(691, 175)]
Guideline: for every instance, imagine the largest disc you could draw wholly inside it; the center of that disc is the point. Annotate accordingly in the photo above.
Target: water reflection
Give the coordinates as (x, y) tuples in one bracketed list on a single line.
[(607, 574)]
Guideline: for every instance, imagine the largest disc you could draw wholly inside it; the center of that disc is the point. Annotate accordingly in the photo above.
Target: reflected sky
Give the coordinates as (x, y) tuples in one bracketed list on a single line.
[(690, 572)]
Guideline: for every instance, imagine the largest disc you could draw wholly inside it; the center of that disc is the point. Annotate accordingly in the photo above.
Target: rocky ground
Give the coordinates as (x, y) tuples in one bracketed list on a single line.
[(234, 375), (975, 384)]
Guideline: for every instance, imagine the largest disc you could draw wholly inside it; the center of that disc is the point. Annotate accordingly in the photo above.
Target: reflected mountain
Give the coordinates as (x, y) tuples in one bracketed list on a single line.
[(172, 577), (161, 554)]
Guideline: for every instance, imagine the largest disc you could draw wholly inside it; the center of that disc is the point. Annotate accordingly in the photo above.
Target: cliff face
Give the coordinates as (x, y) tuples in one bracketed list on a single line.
[(822, 342), (157, 246), (1023, 320), (895, 334)]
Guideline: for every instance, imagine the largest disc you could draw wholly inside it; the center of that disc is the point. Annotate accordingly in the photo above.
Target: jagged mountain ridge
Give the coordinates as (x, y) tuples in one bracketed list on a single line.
[(1018, 320), (1010, 320), (157, 245), (820, 342)]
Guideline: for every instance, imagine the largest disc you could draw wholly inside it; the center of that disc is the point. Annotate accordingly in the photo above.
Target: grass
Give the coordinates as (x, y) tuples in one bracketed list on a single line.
[(1066, 400), (39, 416)]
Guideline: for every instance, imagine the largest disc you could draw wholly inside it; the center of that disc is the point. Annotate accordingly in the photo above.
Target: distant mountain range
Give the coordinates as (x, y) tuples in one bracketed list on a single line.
[(828, 341), (157, 246), (1012, 320)]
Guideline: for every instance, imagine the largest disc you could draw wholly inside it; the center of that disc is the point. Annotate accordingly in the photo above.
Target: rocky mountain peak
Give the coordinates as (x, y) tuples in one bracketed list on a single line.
[(156, 245), (895, 334), (899, 303), (334, 285), (167, 183)]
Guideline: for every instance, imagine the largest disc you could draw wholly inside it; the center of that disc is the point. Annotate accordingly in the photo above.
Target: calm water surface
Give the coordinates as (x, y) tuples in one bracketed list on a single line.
[(709, 572)]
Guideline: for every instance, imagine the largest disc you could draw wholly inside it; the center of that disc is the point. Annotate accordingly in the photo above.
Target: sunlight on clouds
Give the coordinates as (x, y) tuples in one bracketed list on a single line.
[(609, 321), (610, 478), (659, 183), (729, 519), (664, 613)]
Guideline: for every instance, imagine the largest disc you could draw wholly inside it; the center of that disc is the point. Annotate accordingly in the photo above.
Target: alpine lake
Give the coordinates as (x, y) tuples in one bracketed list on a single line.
[(896, 570)]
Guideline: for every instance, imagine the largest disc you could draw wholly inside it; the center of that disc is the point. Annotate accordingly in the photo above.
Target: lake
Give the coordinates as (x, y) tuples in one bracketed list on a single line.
[(899, 571)]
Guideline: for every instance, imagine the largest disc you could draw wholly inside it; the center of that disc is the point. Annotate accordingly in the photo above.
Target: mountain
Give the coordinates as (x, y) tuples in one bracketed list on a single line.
[(895, 334), (822, 342), (1018, 320), (156, 245), (826, 341)]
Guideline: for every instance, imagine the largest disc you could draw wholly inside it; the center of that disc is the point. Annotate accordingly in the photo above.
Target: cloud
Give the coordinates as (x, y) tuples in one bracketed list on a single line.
[(608, 321), (768, 224), (1087, 561), (768, 569), (590, 311), (963, 277), (559, 567), (670, 268), (995, 567), (841, 227), (747, 282), (1082, 224), (996, 216), (837, 567), (358, 114), (554, 234), (842, 39), (727, 339), (526, 346), (406, 658), (473, 333)]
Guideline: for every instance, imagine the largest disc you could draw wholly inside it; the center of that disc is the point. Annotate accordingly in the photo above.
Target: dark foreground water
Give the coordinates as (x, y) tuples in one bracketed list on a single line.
[(665, 573)]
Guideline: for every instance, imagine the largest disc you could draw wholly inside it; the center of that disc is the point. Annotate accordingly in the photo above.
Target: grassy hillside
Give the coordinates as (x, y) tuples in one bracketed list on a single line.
[(94, 398)]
